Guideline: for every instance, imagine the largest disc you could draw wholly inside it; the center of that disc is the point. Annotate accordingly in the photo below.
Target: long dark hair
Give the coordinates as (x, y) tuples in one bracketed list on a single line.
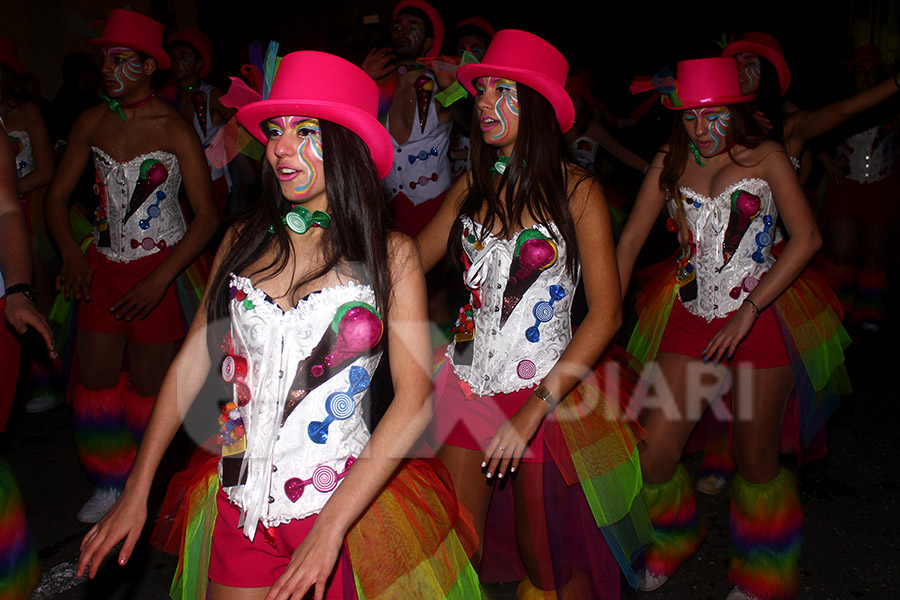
[(357, 237), (535, 182), (744, 131), (768, 99)]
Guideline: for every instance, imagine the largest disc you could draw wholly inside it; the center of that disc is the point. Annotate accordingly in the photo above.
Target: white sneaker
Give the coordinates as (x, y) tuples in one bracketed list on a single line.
[(43, 403), (650, 582), (737, 593), (99, 504), (711, 484)]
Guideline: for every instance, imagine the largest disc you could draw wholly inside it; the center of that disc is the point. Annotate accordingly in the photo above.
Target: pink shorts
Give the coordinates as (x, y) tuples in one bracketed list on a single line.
[(466, 420), (688, 334), (235, 561), (110, 282)]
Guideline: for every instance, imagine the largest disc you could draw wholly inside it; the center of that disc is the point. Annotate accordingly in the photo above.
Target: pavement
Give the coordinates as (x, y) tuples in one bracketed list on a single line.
[(850, 500)]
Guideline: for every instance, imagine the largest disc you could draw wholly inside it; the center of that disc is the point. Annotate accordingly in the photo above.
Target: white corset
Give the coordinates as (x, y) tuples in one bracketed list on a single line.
[(21, 143), (154, 220), (722, 282), (868, 157), (506, 357), (290, 475)]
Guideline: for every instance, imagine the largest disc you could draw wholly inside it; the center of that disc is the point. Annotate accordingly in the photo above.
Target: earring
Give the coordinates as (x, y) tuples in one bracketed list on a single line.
[(696, 154)]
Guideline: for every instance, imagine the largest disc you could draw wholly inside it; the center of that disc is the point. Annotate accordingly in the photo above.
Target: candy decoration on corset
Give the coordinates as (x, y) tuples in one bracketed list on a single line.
[(324, 479), (339, 405), (153, 174), (198, 100), (543, 312), (153, 211), (356, 329), (423, 86), (534, 253), (744, 208), (763, 239)]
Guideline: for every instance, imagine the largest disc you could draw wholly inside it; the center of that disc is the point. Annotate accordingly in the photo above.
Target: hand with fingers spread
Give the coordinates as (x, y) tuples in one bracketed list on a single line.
[(124, 521), (311, 565), (725, 343), (21, 313), (509, 444), (142, 299), (75, 278), (377, 63)]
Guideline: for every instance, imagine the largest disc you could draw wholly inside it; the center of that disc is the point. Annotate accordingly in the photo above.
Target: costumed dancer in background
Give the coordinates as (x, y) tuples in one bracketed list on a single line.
[(517, 396), (20, 568), (727, 311), (191, 54), (861, 209), (308, 289), (123, 275), (34, 169)]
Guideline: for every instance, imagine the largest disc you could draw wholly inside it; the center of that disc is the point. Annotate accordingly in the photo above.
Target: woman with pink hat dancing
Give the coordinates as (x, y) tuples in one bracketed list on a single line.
[(726, 310), (307, 291), (517, 399)]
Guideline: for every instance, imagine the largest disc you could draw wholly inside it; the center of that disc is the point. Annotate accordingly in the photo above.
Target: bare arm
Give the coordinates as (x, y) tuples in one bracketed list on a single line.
[(601, 285), (183, 381), (803, 126), (432, 240), (40, 148), (649, 204), (399, 429)]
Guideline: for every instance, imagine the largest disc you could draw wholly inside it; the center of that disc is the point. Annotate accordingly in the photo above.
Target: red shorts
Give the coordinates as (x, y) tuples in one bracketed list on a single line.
[(471, 421), (9, 358), (235, 561), (111, 281), (410, 218), (688, 334)]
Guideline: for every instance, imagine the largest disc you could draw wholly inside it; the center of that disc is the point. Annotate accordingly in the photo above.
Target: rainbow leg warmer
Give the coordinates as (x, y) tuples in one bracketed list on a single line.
[(718, 459), (137, 413), (766, 535), (20, 569), (677, 531), (103, 442), (871, 299)]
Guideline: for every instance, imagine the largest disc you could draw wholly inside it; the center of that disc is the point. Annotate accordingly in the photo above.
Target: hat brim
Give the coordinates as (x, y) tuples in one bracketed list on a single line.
[(176, 38), (708, 102), (15, 64), (555, 93), (767, 52), (367, 127), (163, 62)]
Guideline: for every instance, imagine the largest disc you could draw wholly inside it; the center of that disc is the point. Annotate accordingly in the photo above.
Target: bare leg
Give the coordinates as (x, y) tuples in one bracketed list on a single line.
[(680, 388), (223, 592), (149, 363), (100, 358), (531, 526), (473, 489)]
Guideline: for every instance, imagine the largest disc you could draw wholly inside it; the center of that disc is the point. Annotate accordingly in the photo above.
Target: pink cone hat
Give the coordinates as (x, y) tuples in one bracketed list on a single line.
[(196, 39), (133, 30), (437, 24), (707, 82), (525, 58), (324, 86), (766, 46)]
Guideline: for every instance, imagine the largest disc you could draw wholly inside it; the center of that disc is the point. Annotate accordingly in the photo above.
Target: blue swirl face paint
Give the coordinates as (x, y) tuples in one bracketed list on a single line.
[(301, 171), (708, 128)]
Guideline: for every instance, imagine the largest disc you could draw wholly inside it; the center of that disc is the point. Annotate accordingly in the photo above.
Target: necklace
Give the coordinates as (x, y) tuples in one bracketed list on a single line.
[(696, 154), (300, 220), (117, 107), (404, 69)]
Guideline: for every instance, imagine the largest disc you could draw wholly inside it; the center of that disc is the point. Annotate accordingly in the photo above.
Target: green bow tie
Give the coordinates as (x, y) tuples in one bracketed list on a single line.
[(300, 220)]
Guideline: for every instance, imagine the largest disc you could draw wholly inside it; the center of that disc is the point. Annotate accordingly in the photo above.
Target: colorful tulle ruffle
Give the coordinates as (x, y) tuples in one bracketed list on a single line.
[(766, 537)]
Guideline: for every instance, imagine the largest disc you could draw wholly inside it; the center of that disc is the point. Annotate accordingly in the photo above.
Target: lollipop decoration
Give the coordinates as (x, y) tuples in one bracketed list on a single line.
[(339, 405), (234, 370), (763, 239), (324, 479), (153, 173), (744, 208), (543, 312), (534, 253)]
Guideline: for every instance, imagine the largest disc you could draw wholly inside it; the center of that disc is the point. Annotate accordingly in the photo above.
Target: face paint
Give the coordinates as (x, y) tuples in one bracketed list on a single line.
[(184, 60), (300, 171), (125, 67), (749, 67), (710, 135), (500, 122), (409, 30)]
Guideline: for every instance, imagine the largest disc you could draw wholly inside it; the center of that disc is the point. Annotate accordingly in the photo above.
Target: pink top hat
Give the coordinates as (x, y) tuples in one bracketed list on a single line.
[(437, 24), (479, 23), (870, 54), (706, 82), (9, 55), (525, 58), (133, 30), (766, 46), (324, 86), (196, 39)]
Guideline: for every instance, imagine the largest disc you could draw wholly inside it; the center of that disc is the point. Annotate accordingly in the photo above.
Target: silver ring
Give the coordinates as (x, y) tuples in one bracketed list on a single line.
[(499, 447)]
